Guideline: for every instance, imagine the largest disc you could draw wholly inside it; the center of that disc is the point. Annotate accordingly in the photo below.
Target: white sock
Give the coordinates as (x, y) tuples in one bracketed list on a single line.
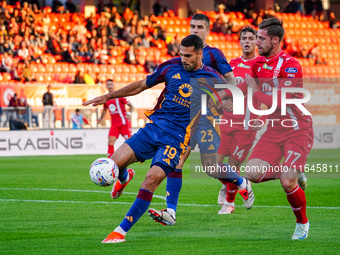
[(120, 230), (243, 184), (227, 203), (172, 212)]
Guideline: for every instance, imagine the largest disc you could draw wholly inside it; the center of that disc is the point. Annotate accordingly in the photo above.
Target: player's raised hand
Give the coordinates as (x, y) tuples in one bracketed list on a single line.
[(216, 98), (251, 83), (227, 104), (97, 100)]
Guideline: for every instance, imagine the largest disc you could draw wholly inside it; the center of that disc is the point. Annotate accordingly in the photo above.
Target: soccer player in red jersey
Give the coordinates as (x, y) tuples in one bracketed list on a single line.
[(289, 135), (237, 139), (120, 118)]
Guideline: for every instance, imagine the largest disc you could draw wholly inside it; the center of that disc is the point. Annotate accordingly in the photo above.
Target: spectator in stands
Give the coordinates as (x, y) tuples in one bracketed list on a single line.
[(221, 15), (318, 10), (3, 30), (6, 62), (2, 44), (9, 44), (320, 61), (12, 113), (79, 28), (270, 13), (78, 120), (129, 16), (119, 21), (69, 56), (100, 6), (150, 65), (309, 7), (301, 50), (48, 114), (23, 113), (79, 78), (26, 75), (131, 56), (157, 8), (293, 7), (219, 26), (313, 52), (290, 47), (129, 34), (56, 6), (113, 31), (173, 47), (3, 6), (71, 7), (332, 20), (53, 45)]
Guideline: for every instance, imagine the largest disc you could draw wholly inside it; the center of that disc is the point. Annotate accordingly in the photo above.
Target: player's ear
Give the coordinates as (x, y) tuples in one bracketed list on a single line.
[(276, 40), (200, 53)]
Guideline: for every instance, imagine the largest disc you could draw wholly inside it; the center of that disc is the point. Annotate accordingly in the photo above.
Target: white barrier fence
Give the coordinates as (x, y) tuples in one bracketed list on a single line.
[(94, 141), (55, 142)]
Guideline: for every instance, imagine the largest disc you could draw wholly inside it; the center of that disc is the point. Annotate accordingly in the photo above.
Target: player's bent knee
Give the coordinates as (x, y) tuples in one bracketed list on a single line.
[(288, 184)]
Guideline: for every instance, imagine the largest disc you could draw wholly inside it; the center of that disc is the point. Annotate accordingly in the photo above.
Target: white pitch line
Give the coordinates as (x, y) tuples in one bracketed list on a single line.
[(78, 190), (128, 203)]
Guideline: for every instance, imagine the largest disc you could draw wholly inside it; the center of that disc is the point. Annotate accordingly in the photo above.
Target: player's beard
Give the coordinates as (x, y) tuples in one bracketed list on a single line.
[(267, 52)]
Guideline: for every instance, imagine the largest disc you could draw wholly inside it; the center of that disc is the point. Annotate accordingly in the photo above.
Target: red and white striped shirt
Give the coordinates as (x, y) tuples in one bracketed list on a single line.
[(117, 110)]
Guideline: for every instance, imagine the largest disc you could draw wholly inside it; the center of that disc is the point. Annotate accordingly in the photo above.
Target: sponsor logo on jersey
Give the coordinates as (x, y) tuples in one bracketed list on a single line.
[(291, 70), (276, 72), (243, 66), (266, 87), (167, 160), (265, 66), (112, 108), (202, 80), (176, 76), (287, 83), (290, 75), (185, 90), (211, 147), (239, 80), (129, 218)]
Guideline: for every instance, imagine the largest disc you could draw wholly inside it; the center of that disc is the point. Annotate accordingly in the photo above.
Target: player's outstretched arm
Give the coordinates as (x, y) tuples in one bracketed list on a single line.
[(129, 90), (230, 78)]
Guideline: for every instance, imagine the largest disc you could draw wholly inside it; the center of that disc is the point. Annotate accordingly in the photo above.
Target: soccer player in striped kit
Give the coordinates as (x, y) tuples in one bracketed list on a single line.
[(120, 118)]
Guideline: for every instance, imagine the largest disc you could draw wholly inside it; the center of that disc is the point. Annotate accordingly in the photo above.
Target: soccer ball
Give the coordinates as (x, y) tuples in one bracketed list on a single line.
[(104, 172)]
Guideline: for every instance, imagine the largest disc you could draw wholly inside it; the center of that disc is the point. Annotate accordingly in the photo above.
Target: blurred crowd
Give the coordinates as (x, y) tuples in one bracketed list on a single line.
[(28, 31)]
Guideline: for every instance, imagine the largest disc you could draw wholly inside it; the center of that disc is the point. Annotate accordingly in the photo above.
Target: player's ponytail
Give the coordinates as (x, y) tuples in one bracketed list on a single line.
[(274, 27)]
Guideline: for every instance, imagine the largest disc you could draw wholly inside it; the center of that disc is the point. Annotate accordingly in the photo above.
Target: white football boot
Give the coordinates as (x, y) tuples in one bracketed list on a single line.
[(301, 231)]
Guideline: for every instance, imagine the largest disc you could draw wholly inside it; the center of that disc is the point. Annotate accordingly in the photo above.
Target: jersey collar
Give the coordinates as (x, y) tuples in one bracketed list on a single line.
[(245, 60), (267, 59)]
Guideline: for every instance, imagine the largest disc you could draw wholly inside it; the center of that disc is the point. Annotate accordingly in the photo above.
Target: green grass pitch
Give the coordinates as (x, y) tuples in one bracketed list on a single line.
[(48, 205)]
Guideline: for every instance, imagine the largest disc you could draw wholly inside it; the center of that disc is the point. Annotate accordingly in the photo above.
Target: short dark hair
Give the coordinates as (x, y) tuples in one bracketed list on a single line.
[(193, 40), (200, 16), (109, 80), (77, 110), (273, 26), (250, 29)]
